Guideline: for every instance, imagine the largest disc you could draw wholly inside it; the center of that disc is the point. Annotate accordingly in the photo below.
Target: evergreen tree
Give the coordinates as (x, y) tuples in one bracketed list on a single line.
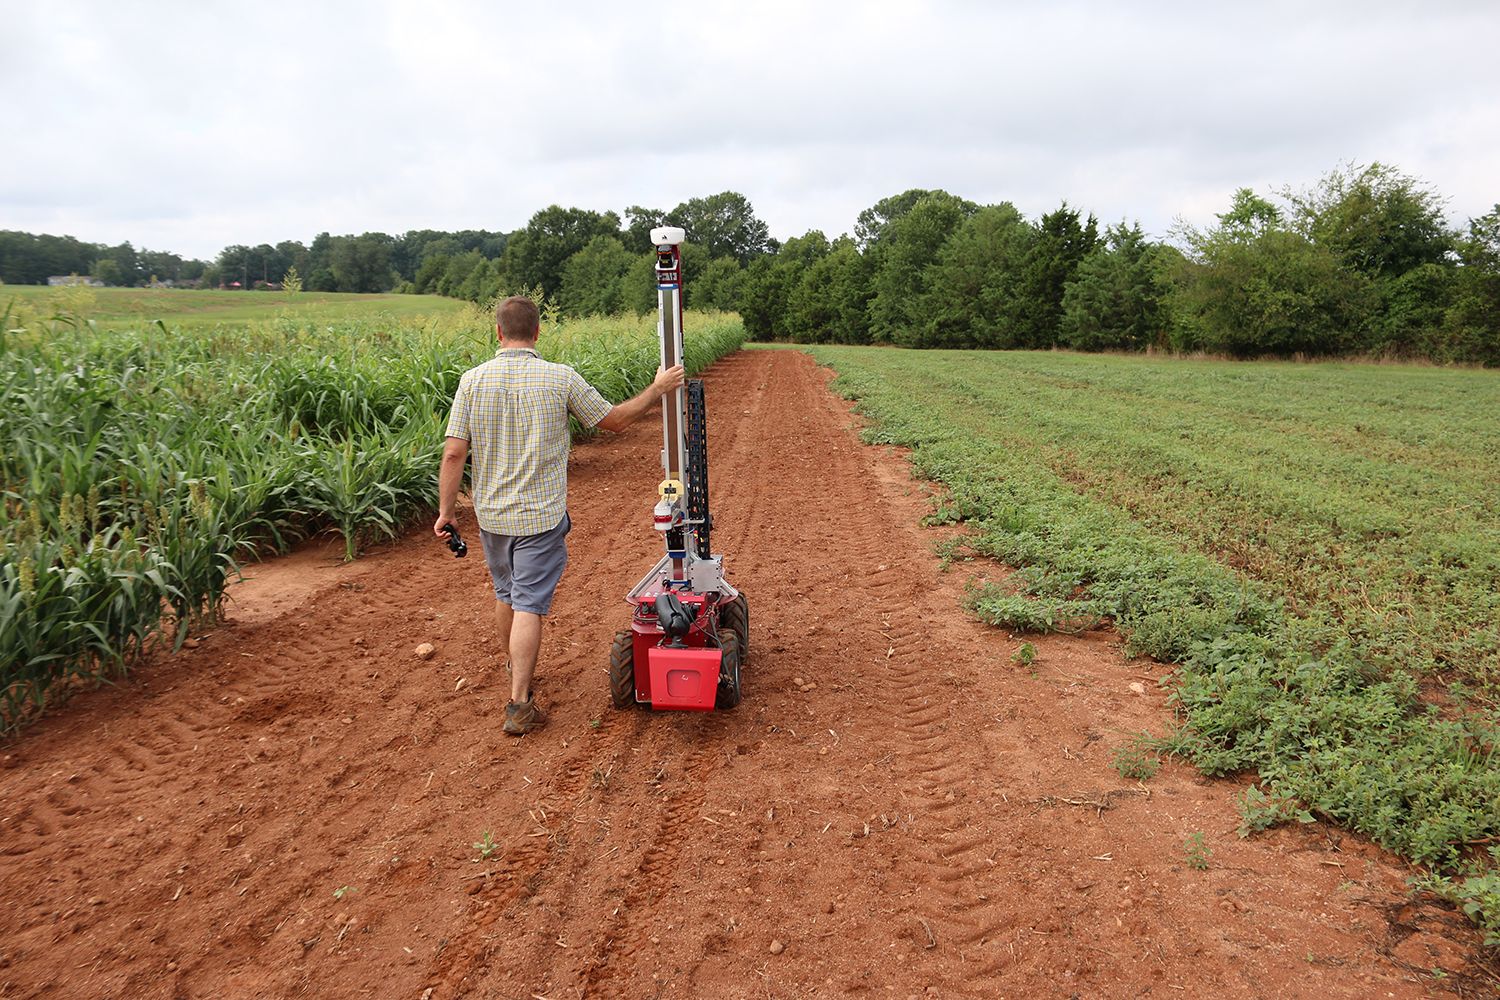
[(1115, 300), (970, 297), (906, 247), (768, 284), (1060, 244), (717, 286), (842, 285)]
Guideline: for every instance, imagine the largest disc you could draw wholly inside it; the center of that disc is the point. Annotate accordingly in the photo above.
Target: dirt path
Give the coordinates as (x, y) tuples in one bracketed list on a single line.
[(291, 808)]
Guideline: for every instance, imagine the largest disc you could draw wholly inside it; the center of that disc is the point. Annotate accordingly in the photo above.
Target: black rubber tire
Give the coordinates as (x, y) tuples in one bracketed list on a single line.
[(622, 670), (736, 615), (728, 694)]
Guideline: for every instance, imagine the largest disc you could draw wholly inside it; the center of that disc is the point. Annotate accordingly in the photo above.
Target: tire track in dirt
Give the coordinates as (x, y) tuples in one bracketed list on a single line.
[(530, 858), (916, 734), (607, 971)]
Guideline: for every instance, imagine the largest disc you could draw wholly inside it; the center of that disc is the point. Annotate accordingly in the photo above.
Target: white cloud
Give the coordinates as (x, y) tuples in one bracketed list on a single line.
[(189, 126)]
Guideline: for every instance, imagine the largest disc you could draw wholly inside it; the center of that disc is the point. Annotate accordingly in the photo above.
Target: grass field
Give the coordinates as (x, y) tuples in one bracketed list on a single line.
[(1315, 545), (183, 306)]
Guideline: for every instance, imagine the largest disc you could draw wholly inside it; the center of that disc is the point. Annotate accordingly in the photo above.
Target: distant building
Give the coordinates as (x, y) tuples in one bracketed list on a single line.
[(74, 279)]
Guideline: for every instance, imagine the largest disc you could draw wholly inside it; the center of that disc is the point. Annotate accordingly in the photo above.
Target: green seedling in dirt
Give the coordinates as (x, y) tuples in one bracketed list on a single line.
[(1023, 656), (1134, 759), (1197, 854), (485, 847), (344, 890)]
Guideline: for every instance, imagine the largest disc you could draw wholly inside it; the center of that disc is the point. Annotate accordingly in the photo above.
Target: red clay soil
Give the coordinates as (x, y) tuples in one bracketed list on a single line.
[(298, 806)]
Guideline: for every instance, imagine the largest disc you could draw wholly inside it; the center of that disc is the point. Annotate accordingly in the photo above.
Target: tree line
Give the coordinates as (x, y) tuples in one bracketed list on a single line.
[(27, 259), (1362, 263), (372, 262), (586, 262), (595, 263)]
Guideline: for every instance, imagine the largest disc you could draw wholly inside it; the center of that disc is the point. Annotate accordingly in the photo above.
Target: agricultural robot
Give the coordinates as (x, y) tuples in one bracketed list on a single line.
[(689, 627)]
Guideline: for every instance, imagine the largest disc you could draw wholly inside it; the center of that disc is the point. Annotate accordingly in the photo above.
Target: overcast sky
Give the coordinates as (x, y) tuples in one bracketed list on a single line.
[(190, 126)]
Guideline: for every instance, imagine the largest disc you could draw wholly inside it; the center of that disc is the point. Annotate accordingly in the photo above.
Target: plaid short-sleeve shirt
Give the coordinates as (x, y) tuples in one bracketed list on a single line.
[(513, 410)]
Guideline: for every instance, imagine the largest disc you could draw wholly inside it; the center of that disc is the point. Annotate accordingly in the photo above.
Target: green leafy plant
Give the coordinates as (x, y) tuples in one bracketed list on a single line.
[(1476, 891), (1197, 853), (485, 846), (1023, 656), (1135, 759), (344, 890), (1259, 811)]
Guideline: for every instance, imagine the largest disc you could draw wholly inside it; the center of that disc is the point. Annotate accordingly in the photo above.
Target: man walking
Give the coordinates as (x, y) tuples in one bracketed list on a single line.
[(510, 415)]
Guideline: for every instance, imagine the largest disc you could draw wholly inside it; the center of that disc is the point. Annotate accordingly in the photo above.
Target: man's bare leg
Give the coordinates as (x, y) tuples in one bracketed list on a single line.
[(525, 645), (517, 636), (503, 618)]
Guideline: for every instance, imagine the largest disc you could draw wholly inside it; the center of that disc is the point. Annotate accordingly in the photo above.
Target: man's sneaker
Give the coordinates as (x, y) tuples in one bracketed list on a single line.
[(523, 718)]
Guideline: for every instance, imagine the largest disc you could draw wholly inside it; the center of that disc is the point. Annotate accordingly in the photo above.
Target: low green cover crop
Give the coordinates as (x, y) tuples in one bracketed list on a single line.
[(1309, 544)]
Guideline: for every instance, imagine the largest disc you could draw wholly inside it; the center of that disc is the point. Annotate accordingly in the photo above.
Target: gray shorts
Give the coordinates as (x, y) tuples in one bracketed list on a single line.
[(525, 568)]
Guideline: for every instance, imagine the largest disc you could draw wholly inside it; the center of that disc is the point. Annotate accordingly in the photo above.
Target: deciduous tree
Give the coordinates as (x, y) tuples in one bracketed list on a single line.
[(107, 271), (723, 225), (535, 256), (593, 282), (362, 263), (873, 223), (1375, 219), (1250, 289)]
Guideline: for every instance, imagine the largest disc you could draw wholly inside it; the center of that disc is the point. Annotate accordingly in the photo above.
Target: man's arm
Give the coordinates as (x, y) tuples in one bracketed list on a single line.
[(450, 478), (622, 415)]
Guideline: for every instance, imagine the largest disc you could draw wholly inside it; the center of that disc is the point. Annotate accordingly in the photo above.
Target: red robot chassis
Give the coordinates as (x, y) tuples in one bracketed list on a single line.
[(689, 627)]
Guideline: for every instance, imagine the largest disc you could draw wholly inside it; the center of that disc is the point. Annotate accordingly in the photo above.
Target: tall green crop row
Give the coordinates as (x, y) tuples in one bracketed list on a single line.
[(138, 466)]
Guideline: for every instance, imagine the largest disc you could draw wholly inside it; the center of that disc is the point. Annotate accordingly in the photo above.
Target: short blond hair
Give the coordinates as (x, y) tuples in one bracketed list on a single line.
[(518, 318)]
